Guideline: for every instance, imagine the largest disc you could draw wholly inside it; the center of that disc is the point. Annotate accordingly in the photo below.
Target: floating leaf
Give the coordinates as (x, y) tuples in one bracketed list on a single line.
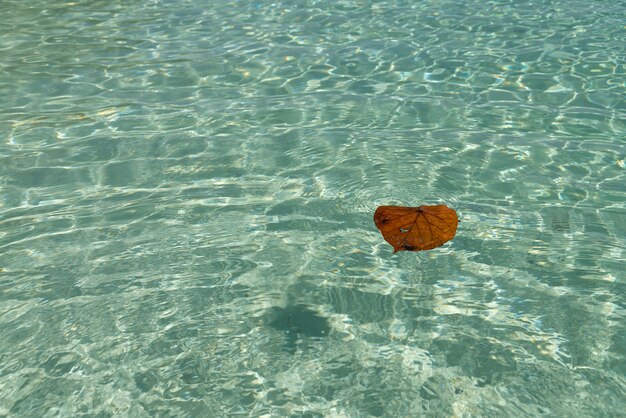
[(416, 228)]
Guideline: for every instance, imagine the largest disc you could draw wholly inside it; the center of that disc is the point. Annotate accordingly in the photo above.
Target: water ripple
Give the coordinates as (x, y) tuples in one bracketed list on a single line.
[(175, 177)]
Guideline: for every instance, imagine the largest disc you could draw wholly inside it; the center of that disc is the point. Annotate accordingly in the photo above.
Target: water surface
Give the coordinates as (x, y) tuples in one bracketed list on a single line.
[(187, 191)]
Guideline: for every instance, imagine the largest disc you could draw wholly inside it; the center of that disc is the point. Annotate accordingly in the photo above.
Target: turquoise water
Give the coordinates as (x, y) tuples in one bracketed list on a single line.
[(187, 191)]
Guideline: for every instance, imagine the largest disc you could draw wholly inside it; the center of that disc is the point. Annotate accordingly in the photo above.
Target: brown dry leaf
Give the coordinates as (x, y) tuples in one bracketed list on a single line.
[(416, 228)]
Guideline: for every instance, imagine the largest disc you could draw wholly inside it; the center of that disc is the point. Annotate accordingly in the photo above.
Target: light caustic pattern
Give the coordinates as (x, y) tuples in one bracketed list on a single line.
[(186, 200)]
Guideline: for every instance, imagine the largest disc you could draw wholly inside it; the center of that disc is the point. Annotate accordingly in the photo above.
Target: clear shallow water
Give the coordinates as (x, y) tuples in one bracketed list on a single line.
[(187, 191)]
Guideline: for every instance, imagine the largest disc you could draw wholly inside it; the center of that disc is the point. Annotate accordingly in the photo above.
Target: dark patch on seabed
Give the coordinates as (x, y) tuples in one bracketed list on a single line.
[(298, 322)]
